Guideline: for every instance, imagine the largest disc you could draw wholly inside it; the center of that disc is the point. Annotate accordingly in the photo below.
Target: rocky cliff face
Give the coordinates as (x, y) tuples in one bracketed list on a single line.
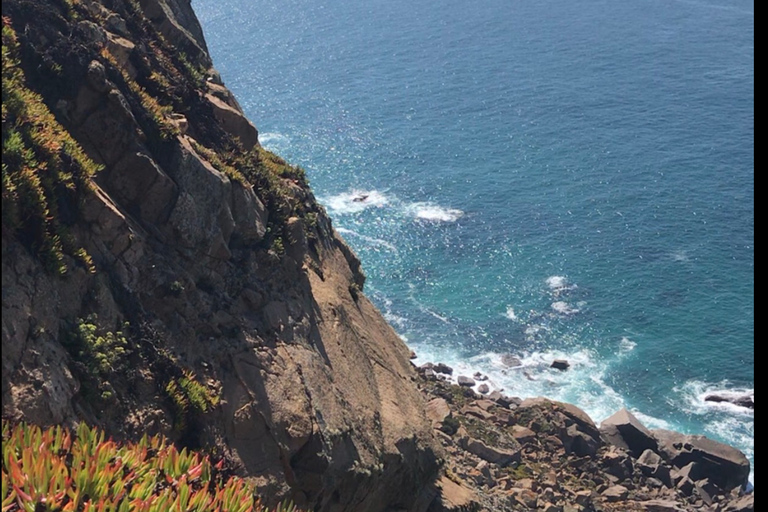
[(179, 278)]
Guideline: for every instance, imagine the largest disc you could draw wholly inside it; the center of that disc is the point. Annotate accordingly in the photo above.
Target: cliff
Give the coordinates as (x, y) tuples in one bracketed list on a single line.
[(163, 273)]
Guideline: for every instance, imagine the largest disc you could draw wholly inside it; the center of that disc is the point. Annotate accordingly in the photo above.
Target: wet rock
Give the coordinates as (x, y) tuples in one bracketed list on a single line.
[(560, 364), (510, 360), (747, 400), (443, 368)]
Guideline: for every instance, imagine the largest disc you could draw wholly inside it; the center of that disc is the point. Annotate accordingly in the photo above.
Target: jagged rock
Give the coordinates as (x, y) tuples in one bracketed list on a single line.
[(652, 465), (504, 400), (525, 498), (725, 466), (707, 491), (615, 493), (477, 412), (580, 443), (492, 454), (686, 486), (583, 498), (443, 368), (523, 434), (744, 504), (617, 462), (622, 429), (234, 122), (465, 381)]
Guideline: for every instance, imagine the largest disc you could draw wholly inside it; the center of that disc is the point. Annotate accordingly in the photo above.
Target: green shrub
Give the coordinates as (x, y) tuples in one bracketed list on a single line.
[(189, 397)]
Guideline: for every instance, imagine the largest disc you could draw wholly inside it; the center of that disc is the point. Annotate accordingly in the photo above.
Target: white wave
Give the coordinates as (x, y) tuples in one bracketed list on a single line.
[(559, 284), (433, 213), (375, 242), (273, 140), (534, 329), (395, 320), (680, 256), (650, 421), (556, 282), (694, 393), (626, 345), (564, 308), (510, 313), (355, 201)]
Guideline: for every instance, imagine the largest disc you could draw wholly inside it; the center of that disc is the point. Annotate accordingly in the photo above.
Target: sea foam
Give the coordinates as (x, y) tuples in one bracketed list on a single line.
[(433, 213), (355, 201)]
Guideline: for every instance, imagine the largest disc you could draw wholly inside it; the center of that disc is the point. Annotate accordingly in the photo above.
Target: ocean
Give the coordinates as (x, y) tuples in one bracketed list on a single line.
[(532, 180)]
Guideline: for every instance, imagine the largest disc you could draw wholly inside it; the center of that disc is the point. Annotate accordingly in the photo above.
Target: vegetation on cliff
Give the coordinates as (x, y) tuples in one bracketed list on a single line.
[(59, 470), (44, 172)]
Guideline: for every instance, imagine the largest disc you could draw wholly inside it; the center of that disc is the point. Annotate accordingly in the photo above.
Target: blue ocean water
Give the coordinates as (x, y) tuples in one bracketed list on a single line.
[(546, 179)]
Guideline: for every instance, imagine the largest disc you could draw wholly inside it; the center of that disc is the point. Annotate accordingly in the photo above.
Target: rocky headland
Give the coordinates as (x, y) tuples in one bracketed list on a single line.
[(163, 273)]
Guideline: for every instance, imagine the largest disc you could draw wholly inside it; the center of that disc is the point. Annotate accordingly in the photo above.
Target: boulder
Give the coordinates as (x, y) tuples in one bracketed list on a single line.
[(615, 461), (491, 454), (560, 364), (661, 506), (652, 465), (437, 411), (443, 368), (483, 388), (723, 465), (616, 493), (580, 443), (625, 431), (465, 381)]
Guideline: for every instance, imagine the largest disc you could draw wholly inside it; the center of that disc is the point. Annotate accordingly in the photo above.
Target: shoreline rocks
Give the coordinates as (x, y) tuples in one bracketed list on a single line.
[(510, 454)]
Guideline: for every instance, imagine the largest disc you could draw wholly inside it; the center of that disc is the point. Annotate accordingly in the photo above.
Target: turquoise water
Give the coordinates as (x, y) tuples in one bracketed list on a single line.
[(543, 179)]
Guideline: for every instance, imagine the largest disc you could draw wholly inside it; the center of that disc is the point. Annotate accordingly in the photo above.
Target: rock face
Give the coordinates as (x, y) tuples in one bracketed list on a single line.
[(224, 266)]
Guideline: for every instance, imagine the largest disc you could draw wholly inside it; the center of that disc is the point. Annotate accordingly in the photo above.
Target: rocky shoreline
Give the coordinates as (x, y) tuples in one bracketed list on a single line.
[(503, 453)]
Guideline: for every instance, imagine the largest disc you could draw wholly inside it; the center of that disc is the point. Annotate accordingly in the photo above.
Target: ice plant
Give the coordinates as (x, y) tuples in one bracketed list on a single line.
[(54, 469)]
